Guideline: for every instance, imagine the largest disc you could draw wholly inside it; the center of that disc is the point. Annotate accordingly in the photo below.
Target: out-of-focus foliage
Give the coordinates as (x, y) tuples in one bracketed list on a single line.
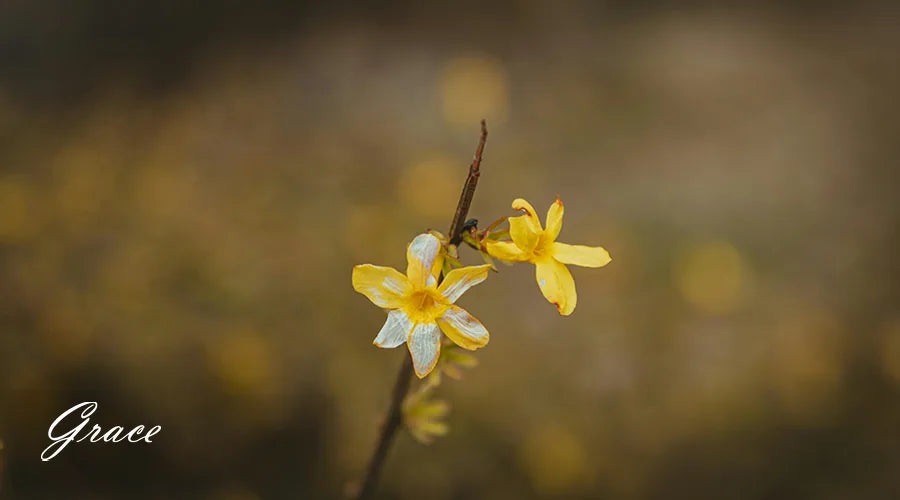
[(423, 416), (184, 193)]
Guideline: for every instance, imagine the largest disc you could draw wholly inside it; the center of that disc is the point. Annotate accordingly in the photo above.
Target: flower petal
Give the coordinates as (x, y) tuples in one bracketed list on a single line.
[(525, 230), (422, 259), (554, 220), (384, 286), (425, 347), (457, 281), (523, 205), (523, 233), (505, 250), (436, 269), (581, 255), (463, 328), (395, 330), (557, 285)]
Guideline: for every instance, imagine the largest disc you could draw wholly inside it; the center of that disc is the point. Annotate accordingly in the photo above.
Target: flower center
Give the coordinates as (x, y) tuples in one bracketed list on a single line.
[(425, 305), (423, 300), (542, 248)]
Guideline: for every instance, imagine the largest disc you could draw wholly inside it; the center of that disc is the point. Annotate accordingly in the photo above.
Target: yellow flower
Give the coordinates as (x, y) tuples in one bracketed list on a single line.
[(532, 243), (419, 309)]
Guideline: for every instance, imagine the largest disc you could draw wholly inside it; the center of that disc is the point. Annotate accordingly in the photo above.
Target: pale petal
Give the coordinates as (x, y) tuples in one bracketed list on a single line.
[(554, 220), (422, 258), (457, 281), (424, 347), (581, 255), (557, 285), (463, 328), (384, 286), (505, 250), (395, 330), (525, 230)]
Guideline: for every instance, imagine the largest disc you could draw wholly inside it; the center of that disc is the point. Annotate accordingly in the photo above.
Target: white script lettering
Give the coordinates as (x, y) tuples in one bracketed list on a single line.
[(115, 434)]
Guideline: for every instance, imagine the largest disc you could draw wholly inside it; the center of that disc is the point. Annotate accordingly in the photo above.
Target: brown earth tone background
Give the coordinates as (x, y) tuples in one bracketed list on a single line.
[(184, 190)]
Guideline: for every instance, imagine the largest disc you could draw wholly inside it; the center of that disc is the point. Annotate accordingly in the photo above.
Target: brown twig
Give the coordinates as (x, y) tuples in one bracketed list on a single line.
[(401, 386), (468, 192), (391, 425)]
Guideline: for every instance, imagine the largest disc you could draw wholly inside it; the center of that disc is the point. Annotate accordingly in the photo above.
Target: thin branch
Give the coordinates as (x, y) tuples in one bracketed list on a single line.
[(468, 192), (401, 386), (391, 425)]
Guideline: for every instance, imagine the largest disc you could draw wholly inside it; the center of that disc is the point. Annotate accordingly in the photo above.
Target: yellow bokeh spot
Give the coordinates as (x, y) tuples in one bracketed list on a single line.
[(431, 187), (890, 349), (711, 276), (244, 362), (67, 329), (16, 210), (362, 226), (163, 192), (555, 460), (82, 186), (808, 363), (473, 88)]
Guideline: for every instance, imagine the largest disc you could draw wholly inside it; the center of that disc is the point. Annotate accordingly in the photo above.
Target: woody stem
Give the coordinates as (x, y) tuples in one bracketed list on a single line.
[(404, 377)]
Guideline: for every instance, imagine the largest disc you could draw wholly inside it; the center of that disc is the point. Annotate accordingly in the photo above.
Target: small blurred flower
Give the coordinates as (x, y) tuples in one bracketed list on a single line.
[(532, 243), (423, 416), (451, 363), (418, 308)]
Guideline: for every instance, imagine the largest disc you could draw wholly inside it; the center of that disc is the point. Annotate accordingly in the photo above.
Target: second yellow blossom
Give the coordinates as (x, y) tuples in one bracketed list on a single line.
[(538, 245)]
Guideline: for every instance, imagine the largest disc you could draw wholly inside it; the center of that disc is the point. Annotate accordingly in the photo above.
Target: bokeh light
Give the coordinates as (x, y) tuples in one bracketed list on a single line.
[(555, 460), (430, 186), (890, 349), (472, 88), (184, 192), (18, 208), (711, 276), (808, 363)]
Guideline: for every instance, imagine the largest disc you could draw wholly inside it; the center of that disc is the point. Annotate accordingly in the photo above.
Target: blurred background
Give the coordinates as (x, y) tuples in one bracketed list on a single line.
[(185, 187)]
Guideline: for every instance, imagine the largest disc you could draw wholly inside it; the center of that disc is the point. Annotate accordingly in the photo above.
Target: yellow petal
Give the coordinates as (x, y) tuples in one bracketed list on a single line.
[(384, 286), (457, 281), (525, 230), (505, 250), (557, 285), (424, 408), (523, 205), (425, 347), (523, 233), (581, 255), (463, 328), (436, 268), (422, 255), (554, 220), (434, 428)]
